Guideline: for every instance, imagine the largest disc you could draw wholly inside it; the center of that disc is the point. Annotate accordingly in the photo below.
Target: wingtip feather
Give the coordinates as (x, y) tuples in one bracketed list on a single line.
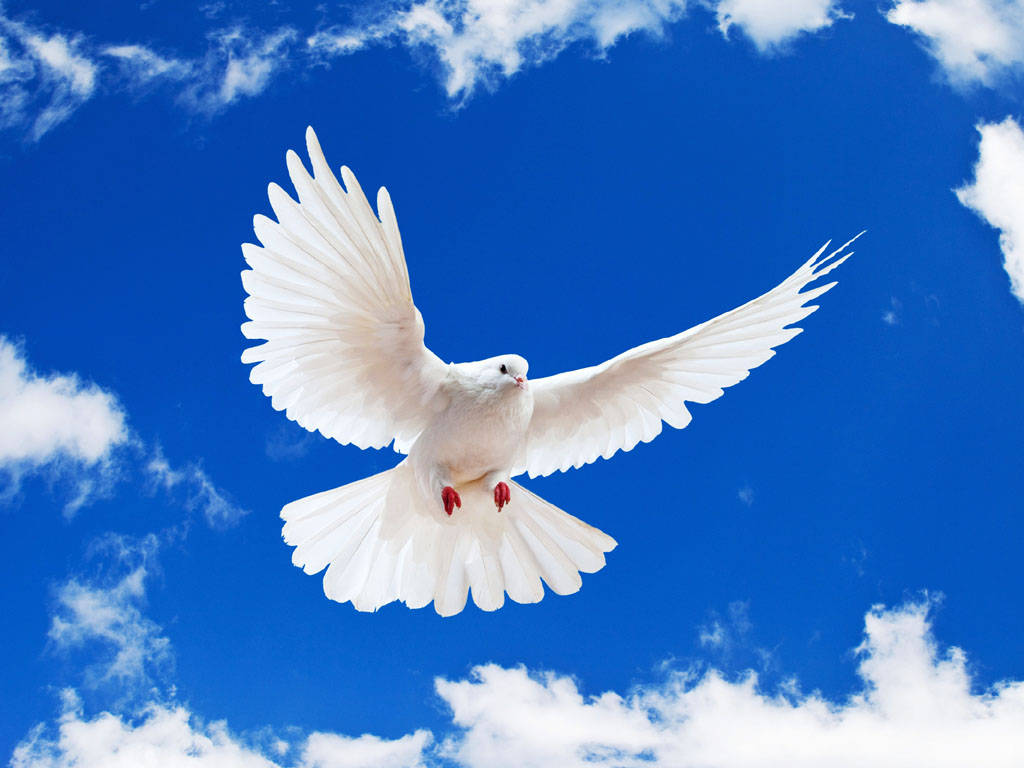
[(313, 148)]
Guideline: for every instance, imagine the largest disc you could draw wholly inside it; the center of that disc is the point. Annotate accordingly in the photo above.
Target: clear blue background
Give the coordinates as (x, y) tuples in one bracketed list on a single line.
[(583, 207)]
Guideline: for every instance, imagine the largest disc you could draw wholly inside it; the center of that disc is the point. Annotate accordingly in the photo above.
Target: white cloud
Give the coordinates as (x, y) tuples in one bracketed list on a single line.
[(916, 708), (105, 618), (975, 41), (478, 41), (62, 58), (773, 23), (997, 193), (59, 425), (44, 418), (917, 705)]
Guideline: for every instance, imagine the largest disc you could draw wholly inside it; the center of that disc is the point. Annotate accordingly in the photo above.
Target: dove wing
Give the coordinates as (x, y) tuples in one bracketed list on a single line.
[(329, 292), (594, 412)]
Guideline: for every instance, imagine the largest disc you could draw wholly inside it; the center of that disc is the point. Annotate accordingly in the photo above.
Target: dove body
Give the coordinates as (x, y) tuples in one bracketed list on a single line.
[(480, 433)]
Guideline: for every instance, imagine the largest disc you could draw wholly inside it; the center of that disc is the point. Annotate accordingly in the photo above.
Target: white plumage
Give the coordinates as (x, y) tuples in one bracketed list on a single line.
[(344, 355)]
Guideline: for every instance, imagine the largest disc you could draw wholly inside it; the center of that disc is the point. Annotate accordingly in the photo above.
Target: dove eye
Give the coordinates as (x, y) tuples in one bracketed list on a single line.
[(504, 369)]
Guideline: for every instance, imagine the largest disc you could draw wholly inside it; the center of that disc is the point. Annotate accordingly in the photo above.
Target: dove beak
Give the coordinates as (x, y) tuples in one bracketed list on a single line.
[(521, 382)]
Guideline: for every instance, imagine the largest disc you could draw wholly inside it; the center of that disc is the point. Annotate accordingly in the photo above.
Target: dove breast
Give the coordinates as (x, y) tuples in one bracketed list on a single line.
[(481, 431)]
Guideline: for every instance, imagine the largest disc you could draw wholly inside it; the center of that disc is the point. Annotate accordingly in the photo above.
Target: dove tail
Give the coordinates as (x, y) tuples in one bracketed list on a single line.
[(381, 541)]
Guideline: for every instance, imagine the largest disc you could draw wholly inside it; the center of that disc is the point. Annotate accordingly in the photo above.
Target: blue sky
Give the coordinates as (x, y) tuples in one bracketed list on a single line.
[(828, 555)]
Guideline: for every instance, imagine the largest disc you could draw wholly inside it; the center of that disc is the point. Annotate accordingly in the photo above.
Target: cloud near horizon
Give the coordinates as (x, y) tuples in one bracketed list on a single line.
[(123, 654), (916, 706)]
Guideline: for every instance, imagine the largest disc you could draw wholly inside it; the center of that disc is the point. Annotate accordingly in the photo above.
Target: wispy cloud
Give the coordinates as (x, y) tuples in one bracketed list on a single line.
[(728, 638), (104, 617), (43, 77), (200, 493), (240, 63), (917, 705), (325, 44), (471, 45), (724, 633), (975, 41), (772, 24), (891, 316), (997, 193), (141, 65)]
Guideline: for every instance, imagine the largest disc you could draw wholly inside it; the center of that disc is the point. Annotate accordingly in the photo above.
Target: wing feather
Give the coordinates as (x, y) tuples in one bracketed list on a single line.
[(595, 412), (329, 294)]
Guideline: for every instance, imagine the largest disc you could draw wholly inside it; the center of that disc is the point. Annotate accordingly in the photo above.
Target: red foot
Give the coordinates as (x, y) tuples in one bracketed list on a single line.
[(502, 495), (450, 499)]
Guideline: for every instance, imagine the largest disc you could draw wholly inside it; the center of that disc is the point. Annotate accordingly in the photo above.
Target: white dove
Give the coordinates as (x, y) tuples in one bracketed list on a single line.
[(344, 355)]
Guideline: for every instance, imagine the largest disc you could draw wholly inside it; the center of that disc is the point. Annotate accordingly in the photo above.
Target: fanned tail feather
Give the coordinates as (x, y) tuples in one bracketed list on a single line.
[(381, 541)]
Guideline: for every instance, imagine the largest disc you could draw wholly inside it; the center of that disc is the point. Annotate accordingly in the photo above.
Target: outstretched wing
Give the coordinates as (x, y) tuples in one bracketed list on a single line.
[(581, 415), (329, 291)]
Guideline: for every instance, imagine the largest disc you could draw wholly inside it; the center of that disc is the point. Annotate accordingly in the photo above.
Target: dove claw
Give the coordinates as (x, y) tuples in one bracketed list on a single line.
[(502, 495), (450, 498)]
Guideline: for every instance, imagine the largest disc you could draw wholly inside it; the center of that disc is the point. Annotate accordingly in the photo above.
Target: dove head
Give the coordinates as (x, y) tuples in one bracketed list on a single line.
[(504, 371)]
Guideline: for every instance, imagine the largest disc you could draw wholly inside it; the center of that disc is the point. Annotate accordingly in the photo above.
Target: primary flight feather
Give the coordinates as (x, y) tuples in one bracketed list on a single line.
[(343, 354)]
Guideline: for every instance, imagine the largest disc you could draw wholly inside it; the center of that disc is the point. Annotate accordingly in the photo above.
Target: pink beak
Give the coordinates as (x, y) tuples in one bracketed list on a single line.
[(521, 382)]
